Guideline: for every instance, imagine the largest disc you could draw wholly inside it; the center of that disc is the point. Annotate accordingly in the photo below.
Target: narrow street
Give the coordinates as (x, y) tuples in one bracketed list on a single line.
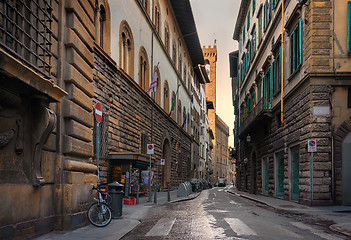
[(217, 214)]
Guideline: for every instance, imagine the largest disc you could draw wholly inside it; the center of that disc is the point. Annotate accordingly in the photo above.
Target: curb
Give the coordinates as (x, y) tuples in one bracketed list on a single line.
[(337, 228), (186, 199), (250, 198)]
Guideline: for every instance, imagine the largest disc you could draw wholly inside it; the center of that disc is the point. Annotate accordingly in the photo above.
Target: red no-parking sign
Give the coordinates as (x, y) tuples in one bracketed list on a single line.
[(150, 149), (98, 112), (312, 145)]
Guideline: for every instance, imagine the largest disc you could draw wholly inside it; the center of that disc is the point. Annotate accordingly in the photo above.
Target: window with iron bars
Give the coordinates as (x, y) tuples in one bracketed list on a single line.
[(25, 32)]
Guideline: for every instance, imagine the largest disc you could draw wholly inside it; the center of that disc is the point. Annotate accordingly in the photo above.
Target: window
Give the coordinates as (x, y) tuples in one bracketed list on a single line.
[(166, 97), (260, 26), (253, 6), (143, 69), (174, 53), (179, 113), (296, 47), (248, 21), (25, 31), (253, 42), (126, 46), (267, 14), (267, 88), (157, 18), (173, 106), (244, 36), (274, 3), (277, 72), (145, 4), (157, 95), (167, 37), (349, 27), (180, 65)]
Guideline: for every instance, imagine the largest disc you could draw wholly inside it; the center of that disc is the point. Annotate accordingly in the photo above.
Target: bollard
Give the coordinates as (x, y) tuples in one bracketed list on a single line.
[(137, 199), (168, 194), (155, 196)]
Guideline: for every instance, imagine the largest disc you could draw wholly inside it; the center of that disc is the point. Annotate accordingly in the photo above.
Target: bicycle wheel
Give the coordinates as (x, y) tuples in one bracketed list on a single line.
[(99, 214)]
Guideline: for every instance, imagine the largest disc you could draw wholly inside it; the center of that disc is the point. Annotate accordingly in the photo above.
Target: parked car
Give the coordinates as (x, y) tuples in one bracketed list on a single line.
[(221, 182)]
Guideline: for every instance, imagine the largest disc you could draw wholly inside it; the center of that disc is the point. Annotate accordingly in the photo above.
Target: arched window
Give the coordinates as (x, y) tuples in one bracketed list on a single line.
[(102, 25), (207, 67), (184, 116), (126, 46), (166, 97), (180, 66), (179, 113), (174, 114), (167, 37), (157, 17), (174, 54), (145, 4), (143, 69), (157, 95)]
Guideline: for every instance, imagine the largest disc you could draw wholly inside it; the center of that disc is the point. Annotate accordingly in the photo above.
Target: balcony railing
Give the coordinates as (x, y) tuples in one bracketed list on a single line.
[(255, 115), (25, 32)]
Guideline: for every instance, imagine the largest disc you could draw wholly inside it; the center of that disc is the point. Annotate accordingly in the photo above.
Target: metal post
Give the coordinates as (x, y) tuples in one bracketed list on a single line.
[(137, 198), (156, 187), (150, 180), (97, 151), (168, 194), (311, 178)]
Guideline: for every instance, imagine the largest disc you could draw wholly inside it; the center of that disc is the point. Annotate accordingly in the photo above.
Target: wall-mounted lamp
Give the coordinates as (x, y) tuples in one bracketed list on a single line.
[(248, 138)]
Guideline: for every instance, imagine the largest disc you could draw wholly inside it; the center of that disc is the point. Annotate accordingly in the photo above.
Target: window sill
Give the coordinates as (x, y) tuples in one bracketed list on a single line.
[(294, 73)]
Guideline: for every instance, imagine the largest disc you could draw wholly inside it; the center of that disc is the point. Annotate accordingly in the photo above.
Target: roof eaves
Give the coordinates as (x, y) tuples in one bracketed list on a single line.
[(244, 6)]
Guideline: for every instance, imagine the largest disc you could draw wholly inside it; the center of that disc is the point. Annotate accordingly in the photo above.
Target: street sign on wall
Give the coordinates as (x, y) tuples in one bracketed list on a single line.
[(163, 161), (150, 149), (98, 112), (312, 145)]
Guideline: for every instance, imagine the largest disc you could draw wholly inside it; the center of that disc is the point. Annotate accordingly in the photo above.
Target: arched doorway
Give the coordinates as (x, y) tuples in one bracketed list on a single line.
[(346, 166), (166, 169)]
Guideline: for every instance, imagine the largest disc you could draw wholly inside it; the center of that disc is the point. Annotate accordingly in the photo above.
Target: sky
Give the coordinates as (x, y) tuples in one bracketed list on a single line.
[(215, 19)]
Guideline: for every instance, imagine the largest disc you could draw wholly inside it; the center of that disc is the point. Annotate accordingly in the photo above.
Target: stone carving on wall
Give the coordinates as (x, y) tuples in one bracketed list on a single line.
[(25, 125)]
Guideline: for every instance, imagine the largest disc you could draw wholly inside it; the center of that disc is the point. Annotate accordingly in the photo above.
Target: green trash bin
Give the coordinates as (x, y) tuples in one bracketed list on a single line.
[(116, 192)]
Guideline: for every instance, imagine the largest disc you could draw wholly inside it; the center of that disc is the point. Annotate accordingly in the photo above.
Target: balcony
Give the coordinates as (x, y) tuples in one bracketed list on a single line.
[(261, 112)]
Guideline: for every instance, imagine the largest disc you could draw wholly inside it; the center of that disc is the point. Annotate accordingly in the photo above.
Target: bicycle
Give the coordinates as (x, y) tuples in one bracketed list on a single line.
[(99, 213)]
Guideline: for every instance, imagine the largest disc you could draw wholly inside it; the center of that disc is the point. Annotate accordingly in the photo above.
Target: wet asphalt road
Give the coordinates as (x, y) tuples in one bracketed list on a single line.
[(216, 214)]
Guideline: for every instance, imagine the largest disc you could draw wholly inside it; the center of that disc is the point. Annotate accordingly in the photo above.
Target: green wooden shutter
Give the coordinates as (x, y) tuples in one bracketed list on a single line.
[(274, 75), (264, 91), (253, 6), (293, 53), (349, 27), (300, 41), (248, 20), (265, 16), (280, 65), (270, 86)]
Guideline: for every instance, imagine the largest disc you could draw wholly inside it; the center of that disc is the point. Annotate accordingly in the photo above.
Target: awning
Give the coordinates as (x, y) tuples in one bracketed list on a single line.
[(138, 160)]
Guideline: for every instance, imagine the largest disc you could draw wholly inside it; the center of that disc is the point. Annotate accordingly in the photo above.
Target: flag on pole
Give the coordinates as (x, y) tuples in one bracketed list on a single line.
[(174, 102), (173, 106), (184, 122), (153, 84)]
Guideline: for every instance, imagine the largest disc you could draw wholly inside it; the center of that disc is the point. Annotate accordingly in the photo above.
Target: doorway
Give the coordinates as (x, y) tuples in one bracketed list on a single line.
[(346, 166), (166, 168), (265, 177)]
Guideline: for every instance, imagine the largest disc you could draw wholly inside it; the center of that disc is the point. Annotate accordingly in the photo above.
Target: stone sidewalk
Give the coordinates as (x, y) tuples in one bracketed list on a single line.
[(131, 216), (339, 215)]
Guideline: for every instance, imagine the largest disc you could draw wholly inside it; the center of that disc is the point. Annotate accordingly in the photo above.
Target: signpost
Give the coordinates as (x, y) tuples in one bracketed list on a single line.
[(312, 147), (150, 151), (98, 118)]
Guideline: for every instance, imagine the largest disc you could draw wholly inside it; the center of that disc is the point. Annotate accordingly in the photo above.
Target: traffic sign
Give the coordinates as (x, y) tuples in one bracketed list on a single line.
[(163, 161), (312, 145), (98, 112), (150, 149)]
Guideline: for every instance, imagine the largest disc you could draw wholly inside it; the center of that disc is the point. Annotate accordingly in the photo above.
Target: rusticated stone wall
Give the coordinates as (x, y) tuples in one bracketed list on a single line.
[(300, 125), (131, 112)]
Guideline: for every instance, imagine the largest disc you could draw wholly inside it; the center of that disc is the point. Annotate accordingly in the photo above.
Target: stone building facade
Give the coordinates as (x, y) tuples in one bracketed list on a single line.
[(52, 74), (223, 164), (273, 157)]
